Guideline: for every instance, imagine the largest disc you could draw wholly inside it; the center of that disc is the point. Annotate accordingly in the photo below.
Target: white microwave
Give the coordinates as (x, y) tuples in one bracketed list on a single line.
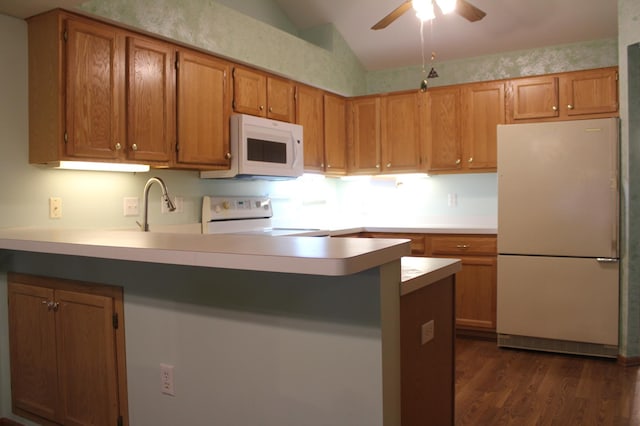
[(261, 147)]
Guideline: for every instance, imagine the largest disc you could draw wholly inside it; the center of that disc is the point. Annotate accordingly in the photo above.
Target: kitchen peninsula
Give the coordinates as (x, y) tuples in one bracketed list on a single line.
[(263, 330)]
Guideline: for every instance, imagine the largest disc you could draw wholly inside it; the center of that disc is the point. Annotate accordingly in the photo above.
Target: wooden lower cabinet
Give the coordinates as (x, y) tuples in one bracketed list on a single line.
[(67, 351), (476, 283)]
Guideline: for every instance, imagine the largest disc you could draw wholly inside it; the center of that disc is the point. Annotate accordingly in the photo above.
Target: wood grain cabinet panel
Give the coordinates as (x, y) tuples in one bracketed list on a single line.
[(564, 96), (94, 90), (476, 283), (203, 111), (335, 134), (106, 94), (310, 114), (442, 116), (67, 351), (401, 132), (263, 95), (150, 100), (363, 133), (483, 109)]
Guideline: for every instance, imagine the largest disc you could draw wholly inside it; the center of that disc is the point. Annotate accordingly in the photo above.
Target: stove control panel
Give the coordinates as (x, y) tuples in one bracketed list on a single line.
[(216, 208)]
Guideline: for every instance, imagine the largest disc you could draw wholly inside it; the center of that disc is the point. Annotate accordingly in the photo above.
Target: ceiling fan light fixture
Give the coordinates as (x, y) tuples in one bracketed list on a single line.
[(446, 6), (424, 9)]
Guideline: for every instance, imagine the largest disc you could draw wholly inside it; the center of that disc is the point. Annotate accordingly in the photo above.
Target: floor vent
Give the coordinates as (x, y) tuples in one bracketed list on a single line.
[(561, 346)]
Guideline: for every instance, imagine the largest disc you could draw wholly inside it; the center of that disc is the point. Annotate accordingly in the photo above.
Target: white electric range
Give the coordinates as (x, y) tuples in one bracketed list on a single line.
[(246, 215)]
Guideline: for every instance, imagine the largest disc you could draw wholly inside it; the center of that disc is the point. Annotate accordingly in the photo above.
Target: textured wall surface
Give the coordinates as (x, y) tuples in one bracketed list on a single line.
[(629, 34), (569, 57), (226, 32)]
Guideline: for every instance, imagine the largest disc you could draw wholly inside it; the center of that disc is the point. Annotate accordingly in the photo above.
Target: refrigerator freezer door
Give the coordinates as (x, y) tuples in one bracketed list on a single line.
[(559, 298), (558, 188)]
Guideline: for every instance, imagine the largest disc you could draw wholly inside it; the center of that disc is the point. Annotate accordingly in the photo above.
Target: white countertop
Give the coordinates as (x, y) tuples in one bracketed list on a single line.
[(299, 255)]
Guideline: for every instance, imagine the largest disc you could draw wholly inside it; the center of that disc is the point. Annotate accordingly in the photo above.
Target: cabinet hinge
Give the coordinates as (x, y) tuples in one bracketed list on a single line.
[(233, 104), (66, 137), (120, 421), (177, 64), (115, 321), (65, 35), (616, 75)]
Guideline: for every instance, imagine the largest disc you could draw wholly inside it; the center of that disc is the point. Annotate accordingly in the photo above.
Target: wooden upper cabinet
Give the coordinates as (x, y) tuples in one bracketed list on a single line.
[(335, 134), (564, 96), (363, 143), (483, 108), (280, 99), (203, 111), (309, 114), (590, 92), (150, 100), (400, 132), (98, 93), (443, 133), (263, 95), (535, 97), (94, 90)]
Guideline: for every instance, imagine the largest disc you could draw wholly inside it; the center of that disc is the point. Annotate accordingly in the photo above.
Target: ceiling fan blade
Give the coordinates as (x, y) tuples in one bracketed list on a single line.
[(469, 11), (395, 14)]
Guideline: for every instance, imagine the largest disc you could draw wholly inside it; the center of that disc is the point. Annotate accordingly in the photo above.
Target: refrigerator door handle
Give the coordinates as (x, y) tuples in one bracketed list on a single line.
[(607, 259)]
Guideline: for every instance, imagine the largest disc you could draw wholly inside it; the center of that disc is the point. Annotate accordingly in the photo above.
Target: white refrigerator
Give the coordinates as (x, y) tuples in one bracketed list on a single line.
[(558, 227)]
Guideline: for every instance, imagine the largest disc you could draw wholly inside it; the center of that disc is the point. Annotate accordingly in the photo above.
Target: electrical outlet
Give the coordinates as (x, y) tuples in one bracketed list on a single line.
[(427, 331), (166, 379), (55, 207), (131, 206), (452, 199)]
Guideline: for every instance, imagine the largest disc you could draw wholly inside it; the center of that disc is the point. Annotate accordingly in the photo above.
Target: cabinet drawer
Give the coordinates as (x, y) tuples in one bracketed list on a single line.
[(464, 245), (417, 240)]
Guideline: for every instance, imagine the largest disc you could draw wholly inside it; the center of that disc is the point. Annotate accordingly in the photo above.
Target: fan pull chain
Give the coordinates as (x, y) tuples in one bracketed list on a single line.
[(424, 84)]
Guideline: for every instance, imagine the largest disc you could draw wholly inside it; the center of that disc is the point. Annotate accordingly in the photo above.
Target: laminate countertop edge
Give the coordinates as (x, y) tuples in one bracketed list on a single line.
[(419, 272)]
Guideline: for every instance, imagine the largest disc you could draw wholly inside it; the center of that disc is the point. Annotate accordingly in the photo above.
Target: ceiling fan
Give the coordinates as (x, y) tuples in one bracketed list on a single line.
[(461, 7)]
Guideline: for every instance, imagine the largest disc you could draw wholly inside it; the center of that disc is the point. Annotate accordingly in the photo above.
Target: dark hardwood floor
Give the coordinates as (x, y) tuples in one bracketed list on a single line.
[(513, 387)]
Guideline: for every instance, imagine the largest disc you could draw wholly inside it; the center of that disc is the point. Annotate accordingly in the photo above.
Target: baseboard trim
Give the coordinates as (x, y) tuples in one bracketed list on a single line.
[(633, 361), (7, 422)]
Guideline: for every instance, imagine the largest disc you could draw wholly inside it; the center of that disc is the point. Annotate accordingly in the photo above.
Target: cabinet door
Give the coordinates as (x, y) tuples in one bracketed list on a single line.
[(476, 293), (150, 100), (443, 134), (400, 132), (309, 114), (364, 135), (203, 111), (95, 90), (249, 92), (482, 111), (590, 92), (32, 341), (86, 358), (335, 134), (532, 98), (280, 99)]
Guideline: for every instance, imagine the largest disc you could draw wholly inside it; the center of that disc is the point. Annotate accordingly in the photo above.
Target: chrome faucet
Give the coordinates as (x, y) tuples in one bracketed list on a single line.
[(165, 197)]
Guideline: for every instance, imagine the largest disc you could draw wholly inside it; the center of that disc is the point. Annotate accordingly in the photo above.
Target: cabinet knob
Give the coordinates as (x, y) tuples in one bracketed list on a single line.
[(570, 106), (470, 160), (227, 156), (118, 146), (463, 246), (328, 166), (555, 108), (388, 165), (458, 161), (261, 107), (377, 166), (270, 109), (134, 147)]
